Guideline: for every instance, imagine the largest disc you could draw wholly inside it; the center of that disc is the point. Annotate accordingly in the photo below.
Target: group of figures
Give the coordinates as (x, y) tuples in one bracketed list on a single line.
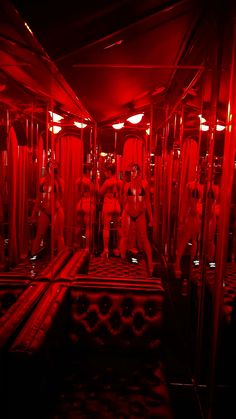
[(126, 208)]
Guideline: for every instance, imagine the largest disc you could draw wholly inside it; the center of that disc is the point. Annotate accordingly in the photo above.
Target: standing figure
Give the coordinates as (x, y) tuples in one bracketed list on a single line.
[(190, 224), (212, 214), (85, 207), (48, 204), (137, 206), (111, 209)]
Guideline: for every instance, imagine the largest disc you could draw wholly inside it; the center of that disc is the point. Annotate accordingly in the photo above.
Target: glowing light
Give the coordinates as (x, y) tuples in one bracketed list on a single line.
[(135, 119), (220, 127), (212, 265), (80, 124), (55, 129), (204, 127), (55, 117), (103, 154), (118, 126), (148, 131), (114, 43), (27, 26), (202, 120)]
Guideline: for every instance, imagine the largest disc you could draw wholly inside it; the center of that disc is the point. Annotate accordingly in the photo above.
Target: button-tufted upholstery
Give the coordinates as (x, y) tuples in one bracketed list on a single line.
[(101, 343), (119, 318)]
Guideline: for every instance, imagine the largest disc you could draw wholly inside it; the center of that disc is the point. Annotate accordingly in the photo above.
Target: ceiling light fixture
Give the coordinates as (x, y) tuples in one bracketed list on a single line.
[(55, 117), (219, 126), (204, 127), (135, 119), (55, 129), (118, 126), (80, 124)]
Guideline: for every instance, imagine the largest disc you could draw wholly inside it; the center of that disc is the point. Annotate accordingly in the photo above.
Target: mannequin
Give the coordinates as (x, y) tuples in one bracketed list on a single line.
[(111, 210), (132, 244), (190, 224), (213, 212), (85, 206), (136, 201), (49, 202)]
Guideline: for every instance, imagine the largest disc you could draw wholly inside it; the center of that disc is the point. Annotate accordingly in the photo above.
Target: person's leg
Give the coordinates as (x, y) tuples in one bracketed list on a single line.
[(88, 228), (125, 226), (132, 239), (189, 231), (106, 232), (141, 229), (43, 223), (211, 240)]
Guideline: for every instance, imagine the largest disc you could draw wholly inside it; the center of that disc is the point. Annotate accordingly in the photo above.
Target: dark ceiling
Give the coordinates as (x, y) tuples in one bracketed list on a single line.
[(114, 57)]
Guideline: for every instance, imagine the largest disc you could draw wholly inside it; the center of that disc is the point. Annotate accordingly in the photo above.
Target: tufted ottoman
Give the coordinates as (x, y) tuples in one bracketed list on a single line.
[(92, 349)]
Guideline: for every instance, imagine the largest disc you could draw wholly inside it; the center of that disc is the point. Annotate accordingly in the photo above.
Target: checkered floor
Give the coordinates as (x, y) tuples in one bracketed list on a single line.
[(115, 267), (31, 268)]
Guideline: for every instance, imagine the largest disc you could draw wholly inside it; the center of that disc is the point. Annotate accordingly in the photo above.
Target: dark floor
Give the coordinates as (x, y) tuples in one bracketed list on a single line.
[(183, 365)]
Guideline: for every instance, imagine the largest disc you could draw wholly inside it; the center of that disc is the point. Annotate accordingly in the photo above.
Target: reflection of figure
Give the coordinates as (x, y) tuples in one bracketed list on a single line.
[(136, 203), (48, 202), (85, 206), (111, 191), (191, 224), (212, 217), (132, 245)]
